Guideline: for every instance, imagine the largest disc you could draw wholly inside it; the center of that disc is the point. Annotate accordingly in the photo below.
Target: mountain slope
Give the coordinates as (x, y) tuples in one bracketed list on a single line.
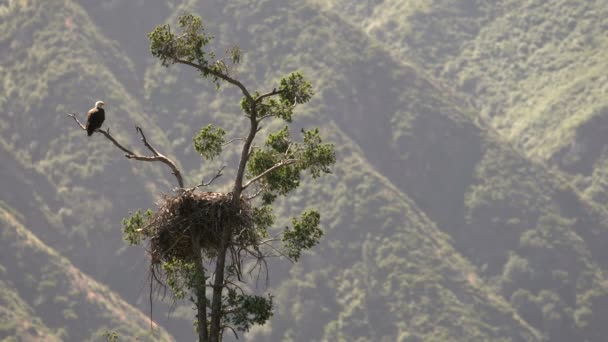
[(68, 301), (18, 318), (534, 70), (69, 190), (513, 210), (367, 226), (436, 228)]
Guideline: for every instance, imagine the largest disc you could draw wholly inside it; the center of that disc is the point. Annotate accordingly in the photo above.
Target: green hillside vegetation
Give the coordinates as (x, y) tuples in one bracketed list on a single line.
[(18, 318), (450, 215), (517, 195), (57, 178), (182, 88), (73, 305), (534, 70), (448, 161), (35, 129)]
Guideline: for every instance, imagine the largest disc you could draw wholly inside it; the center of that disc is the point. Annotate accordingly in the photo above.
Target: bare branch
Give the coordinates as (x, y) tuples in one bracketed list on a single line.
[(269, 170), (257, 193), (217, 175), (231, 328), (288, 148), (145, 141), (268, 94), (106, 133), (272, 239), (132, 155), (218, 75), (279, 253), (232, 140), (73, 116), (264, 117)]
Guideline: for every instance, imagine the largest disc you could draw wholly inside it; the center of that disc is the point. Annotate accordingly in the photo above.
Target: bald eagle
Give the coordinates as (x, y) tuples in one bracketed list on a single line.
[(95, 117)]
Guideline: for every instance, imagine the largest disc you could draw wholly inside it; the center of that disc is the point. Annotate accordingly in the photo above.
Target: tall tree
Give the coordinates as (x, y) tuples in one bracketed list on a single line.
[(199, 240)]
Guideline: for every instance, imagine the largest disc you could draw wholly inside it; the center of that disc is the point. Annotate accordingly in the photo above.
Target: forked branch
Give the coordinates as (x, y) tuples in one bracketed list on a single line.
[(269, 170), (218, 174), (132, 155), (268, 94)]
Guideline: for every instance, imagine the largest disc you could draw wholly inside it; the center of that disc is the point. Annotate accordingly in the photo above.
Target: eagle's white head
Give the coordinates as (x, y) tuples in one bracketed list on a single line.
[(99, 104)]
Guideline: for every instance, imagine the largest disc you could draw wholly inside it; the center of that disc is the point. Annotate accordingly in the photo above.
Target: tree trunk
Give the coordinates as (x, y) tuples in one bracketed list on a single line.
[(201, 291), (218, 287), (220, 262)]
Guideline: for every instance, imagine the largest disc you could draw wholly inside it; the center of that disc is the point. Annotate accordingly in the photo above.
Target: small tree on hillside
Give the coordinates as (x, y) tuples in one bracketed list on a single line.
[(199, 240)]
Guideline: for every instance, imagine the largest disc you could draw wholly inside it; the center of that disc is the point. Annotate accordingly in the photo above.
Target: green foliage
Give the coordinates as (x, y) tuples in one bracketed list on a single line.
[(293, 157), (304, 234), (235, 54), (276, 167), (182, 277), (244, 310), (110, 336), (278, 182), (188, 46), (133, 226), (294, 89), (263, 219), (279, 141), (517, 270), (358, 198), (209, 141), (420, 286), (25, 254), (246, 106), (316, 157)]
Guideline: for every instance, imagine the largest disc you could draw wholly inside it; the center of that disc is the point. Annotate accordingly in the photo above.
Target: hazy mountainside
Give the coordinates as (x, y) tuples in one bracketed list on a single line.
[(53, 61), (535, 70), (373, 216), (18, 317), (71, 304), (512, 207), (494, 203), (436, 228), (373, 231)]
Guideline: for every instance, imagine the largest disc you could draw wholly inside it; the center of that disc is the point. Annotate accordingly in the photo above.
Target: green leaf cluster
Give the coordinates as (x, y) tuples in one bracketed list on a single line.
[(304, 234), (181, 276), (209, 141), (243, 311), (293, 90), (316, 157), (110, 336), (293, 157), (188, 46), (133, 225), (263, 219)]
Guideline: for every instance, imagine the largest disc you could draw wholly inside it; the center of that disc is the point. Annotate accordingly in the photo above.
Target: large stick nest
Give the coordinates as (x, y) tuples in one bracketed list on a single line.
[(183, 219)]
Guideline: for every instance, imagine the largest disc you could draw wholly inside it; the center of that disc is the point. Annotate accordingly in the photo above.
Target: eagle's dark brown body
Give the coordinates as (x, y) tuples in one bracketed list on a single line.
[(95, 118)]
